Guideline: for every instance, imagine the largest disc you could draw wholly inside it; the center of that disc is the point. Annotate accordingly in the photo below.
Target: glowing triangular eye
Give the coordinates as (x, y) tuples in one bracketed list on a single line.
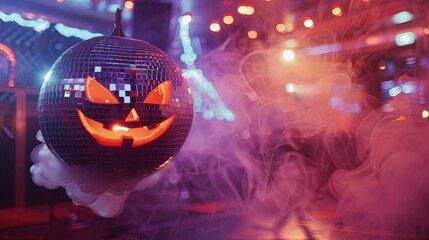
[(161, 94), (96, 93)]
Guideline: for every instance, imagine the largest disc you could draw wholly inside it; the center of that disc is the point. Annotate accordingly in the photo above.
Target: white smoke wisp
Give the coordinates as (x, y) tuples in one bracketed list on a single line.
[(105, 196), (388, 191), (272, 163)]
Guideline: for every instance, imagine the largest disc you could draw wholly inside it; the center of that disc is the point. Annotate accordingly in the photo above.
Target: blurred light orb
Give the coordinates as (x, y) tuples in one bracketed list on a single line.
[(280, 27), (114, 112), (245, 134), (336, 11), (291, 87), (128, 5), (246, 10), (215, 26), (252, 34), (228, 19), (425, 114), (288, 55), (250, 10), (382, 65), (308, 23), (406, 38), (242, 9), (186, 18)]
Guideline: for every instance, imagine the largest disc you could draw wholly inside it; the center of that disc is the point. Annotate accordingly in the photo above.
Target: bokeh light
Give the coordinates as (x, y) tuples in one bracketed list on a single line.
[(128, 5), (336, 11), (290, 87), (288, 55), (215, 26), (252, 34), (425, 114), (308, 23), (186, 18), (250, 10), (244, 9), (406, 38), (281, 27), (228, 19)]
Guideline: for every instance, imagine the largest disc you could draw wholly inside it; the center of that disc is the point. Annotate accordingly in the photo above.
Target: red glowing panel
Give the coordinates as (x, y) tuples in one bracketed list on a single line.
[(11, 57)]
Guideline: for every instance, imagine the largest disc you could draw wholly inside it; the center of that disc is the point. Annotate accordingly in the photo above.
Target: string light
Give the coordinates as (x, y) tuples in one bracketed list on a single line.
[(40, 25), (75, 32), (212, 106)]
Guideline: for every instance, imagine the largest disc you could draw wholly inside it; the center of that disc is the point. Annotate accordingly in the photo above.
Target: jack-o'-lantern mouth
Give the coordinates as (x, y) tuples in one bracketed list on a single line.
[(114, 137)]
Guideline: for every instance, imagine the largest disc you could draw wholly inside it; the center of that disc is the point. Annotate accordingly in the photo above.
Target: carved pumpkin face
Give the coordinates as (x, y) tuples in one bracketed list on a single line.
[(116, 105), (114, 135)]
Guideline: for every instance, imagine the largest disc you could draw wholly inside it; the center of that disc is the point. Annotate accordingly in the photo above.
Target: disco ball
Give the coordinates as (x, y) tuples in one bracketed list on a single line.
[(115, 104)]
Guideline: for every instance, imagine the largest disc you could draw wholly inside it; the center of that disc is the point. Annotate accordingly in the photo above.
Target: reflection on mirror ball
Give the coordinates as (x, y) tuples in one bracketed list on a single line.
[(116, 105)]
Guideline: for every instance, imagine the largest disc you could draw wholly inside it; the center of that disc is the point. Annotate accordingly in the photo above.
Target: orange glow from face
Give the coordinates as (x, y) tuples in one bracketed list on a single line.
[(115, 137), (128, 5), (97, 93)]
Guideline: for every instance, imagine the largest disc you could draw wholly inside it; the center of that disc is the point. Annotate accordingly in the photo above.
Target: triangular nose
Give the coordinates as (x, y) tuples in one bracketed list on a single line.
[(132, 116)]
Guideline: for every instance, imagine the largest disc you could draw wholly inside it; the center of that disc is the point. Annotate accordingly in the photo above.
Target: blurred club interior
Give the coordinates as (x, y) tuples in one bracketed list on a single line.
[(310, 119)]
